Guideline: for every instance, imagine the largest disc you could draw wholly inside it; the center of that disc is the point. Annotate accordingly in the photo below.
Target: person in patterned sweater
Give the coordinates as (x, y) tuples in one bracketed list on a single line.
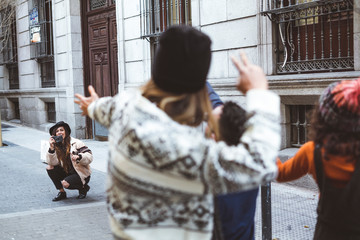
[(332, 158), (163, 172)]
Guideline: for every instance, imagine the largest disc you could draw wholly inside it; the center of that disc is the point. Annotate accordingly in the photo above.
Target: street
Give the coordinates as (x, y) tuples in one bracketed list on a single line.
[(26, 209), (27, 212)]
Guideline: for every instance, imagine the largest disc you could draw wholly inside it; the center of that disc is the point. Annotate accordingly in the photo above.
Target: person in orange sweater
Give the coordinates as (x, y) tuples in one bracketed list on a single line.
[(332, 157)]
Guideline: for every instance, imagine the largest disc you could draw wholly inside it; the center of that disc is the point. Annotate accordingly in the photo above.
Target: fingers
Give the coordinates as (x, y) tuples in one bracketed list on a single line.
[(79, 96), (236, 63), (244, 62), (244, 58), (91, 90)]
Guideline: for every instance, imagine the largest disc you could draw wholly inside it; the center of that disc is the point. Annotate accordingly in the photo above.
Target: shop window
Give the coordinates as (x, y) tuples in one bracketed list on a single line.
[(312, 35)]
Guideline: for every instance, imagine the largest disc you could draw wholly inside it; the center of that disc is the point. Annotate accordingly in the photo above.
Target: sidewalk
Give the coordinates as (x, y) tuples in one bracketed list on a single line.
[(293, 208)]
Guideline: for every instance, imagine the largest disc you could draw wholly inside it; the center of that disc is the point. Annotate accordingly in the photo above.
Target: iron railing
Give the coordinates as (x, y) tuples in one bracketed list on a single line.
[(8, 38), (312, 35), (299, 124), (8, 46), (41, 30), (157, 15)]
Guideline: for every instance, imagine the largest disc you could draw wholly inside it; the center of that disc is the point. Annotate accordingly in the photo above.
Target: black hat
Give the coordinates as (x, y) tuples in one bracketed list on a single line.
[(60, 124), (182, 60)]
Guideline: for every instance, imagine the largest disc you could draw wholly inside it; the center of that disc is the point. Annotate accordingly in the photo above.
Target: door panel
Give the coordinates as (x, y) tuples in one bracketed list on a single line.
[(100, 53)]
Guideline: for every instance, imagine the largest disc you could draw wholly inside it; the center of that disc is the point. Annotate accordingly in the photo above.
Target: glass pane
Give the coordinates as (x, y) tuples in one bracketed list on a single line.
[(13, 76), (302, 114), (51, 113), (300, 124), (47, 74), (17, 110), (95, 4), (294, 135), (293, 114)]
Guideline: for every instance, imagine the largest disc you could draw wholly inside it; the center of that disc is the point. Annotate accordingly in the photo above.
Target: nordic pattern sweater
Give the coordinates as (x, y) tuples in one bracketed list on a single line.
[(162, 175)]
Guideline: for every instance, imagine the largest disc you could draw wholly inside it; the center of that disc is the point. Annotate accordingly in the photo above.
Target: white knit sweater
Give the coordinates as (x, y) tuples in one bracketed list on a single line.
[(163, 175)]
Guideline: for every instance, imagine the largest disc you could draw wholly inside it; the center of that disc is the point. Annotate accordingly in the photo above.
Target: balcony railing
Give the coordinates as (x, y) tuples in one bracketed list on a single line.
[(312, 35)]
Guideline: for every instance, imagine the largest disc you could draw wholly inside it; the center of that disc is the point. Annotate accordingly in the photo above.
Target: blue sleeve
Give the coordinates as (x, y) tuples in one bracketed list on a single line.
[(214, 98)]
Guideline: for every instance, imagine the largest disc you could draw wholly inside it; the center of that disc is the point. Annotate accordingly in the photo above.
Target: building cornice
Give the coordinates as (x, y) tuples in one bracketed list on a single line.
[(39, 92)]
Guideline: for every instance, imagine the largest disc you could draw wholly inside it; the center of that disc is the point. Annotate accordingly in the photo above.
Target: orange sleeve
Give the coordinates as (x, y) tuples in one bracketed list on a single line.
[(297, 166)]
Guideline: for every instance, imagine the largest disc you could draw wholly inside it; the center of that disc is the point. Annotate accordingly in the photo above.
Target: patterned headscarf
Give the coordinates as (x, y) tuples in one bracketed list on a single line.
[(340, 105)]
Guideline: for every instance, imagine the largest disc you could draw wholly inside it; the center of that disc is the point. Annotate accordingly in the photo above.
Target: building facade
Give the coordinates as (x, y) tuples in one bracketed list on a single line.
[(303, 45), (65, 45)]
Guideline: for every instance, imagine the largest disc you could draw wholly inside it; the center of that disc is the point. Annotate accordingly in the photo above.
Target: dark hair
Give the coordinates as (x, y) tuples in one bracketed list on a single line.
[(334, 140), (231, 123), (63, 151)]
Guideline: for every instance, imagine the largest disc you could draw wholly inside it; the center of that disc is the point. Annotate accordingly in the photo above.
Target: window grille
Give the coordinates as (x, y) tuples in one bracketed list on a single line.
[(13, 75), (47, 74), (51, 112), (8, 40), (299, 124), (157, 15), (312, 35), (41, 30), (95, 4), (8, 37)]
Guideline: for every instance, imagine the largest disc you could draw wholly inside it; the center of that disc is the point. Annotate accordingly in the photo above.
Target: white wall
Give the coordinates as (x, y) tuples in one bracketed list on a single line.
[(68, 71)]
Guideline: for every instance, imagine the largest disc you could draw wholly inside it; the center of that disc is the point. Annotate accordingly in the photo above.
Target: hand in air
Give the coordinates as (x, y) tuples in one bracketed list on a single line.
[(84, 102), (251, 76)]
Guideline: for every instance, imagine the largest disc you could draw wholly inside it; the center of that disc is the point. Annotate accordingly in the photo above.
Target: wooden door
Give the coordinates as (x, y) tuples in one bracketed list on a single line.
[(100, 53)]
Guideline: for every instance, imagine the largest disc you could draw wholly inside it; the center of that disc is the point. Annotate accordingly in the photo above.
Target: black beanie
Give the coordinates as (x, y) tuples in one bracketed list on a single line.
[(182, 60)]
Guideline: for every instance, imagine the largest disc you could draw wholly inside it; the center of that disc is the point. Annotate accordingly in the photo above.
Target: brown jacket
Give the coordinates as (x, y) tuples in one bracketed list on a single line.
[(83, 167)]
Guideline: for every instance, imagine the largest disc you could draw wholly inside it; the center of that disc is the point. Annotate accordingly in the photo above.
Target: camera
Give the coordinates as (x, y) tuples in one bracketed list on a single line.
[(58, 139)]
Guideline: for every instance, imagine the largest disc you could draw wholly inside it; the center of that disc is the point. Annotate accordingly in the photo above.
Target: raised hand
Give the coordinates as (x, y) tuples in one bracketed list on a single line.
[(84, 102), (251, 76)]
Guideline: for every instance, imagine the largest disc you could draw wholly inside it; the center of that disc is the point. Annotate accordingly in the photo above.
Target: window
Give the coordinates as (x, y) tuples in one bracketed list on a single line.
[(157, 15), (312, 35), (51, 113), (13, 75), (47, 74), (96, 4), (41, 39), (8, 47), (15, 109), (299, 124)]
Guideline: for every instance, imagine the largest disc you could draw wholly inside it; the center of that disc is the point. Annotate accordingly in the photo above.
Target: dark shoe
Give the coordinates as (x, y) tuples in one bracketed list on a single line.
[(60, 196), (83, 192)]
